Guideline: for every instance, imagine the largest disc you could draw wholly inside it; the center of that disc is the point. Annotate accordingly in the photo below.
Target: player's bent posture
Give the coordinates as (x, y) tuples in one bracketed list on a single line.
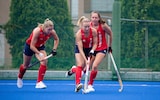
[(86, 43), (102, 47), (35, 44)]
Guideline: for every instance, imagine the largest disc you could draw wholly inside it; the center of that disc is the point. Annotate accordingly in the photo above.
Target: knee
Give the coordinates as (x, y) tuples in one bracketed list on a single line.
[(23, 66), (94, 67)]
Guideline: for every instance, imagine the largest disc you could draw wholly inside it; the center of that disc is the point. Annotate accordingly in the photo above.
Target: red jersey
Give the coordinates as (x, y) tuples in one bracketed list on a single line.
[(102, 43), (87, 41), (42, 38)]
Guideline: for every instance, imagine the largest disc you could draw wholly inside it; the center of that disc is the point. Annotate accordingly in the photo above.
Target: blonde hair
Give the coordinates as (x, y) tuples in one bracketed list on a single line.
[(47, 22), (81, 20)]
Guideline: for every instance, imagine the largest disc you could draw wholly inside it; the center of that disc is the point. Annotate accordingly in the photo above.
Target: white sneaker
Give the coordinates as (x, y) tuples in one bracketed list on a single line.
[(78, 87), (19, 83), (70, 73), (90, 89), (40, 85)]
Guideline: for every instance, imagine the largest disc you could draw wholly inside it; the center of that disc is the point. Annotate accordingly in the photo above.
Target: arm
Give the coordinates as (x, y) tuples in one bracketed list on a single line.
[(36, 33), (94, 33), (56, 39), (109, 32)]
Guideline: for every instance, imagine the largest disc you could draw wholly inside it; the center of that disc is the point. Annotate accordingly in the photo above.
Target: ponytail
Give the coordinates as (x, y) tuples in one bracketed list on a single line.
[(47, 22), (80, 21)]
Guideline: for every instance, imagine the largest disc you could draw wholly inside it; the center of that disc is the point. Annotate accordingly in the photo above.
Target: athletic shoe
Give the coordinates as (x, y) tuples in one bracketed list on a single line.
[(78, 87), (40, 85), (19, 83), (90, 89), (70, 73)]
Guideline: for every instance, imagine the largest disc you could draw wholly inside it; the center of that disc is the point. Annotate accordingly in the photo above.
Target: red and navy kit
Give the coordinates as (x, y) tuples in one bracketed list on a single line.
[(102, 42), (42, 38), (87, 42)]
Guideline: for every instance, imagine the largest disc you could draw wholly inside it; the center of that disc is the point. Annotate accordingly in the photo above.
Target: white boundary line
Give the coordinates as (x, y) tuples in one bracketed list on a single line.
[(107, 85)]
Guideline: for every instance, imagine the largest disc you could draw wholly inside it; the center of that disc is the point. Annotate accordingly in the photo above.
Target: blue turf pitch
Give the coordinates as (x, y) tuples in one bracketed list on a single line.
[(64, 90)]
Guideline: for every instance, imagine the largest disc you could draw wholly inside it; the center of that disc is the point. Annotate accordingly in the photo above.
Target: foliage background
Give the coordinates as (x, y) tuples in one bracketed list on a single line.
[(134, 34), (136, 50), (24, 18)]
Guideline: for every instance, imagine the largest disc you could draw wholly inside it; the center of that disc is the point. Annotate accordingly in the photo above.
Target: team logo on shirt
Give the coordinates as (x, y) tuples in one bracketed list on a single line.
[(84, 40)]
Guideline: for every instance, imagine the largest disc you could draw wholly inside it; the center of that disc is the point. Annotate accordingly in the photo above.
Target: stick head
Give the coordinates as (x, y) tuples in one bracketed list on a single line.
[(84, 91), (121, 89)]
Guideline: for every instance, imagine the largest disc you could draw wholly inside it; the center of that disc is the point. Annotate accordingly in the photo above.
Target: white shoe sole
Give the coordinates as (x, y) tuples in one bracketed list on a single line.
[(77, 89), (40, 85)]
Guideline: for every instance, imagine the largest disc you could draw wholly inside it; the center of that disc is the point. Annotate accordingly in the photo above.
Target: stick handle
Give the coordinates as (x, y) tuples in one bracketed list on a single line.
[(48, 56), (115, 67), (35, 63), (86, 76)]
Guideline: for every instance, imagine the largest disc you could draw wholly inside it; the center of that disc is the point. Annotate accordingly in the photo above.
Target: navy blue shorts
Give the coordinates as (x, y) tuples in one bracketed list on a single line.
[(86, 50), (27, 51), (101, 51)]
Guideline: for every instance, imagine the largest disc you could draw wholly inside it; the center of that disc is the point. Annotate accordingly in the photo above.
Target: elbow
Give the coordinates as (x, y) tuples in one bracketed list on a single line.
[(57, 39)]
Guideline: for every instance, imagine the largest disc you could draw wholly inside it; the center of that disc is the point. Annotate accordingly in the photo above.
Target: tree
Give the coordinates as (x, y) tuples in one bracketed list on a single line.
[(153, 28), (23, 19), (62, 21), (133, 39)]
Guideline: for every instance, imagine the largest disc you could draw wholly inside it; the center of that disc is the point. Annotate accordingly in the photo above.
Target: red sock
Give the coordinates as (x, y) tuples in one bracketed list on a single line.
[(73, 69), (78, 74), (22, 70), (41, 73), (92, 76)]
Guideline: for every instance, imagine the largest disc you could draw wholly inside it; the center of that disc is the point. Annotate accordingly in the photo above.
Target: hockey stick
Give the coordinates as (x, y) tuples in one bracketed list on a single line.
[(35, 63), (86, 76), (119, 78)]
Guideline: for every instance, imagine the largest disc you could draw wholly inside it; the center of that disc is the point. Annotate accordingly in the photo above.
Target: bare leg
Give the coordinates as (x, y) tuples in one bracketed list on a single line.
[(22, 70)]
